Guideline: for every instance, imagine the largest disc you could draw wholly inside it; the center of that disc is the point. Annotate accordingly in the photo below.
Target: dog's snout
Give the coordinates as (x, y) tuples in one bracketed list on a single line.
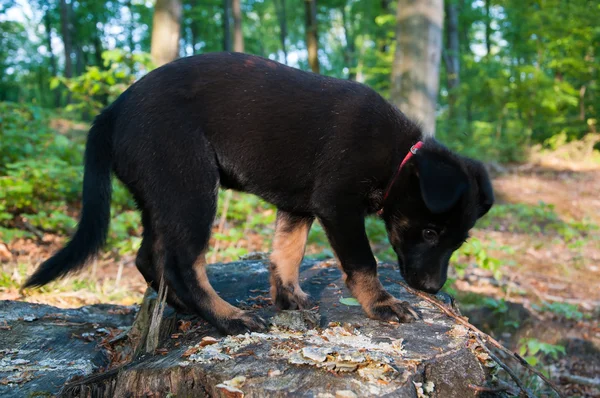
[(428, 284)]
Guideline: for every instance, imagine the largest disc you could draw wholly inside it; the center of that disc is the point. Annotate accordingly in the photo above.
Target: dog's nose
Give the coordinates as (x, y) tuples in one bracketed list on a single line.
[(431, 289), (430, 285)]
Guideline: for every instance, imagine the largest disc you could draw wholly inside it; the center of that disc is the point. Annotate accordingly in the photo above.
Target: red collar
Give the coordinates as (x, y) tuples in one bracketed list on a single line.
[(413, 150)]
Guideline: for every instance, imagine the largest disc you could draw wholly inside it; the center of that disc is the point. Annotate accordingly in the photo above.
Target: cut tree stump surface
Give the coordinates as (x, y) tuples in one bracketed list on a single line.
[(41, 346), (330, 351)]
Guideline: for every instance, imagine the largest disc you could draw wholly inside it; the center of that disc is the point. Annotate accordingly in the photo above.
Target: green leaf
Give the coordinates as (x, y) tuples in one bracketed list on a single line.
[(349, 301), (54, 82)]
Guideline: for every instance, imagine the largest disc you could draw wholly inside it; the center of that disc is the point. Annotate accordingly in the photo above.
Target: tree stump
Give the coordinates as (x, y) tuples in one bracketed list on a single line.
[(330, 351)]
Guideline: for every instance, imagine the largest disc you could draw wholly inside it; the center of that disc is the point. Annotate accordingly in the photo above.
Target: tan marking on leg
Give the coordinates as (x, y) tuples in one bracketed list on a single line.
[(288, 249), (289, 244), (366, 288), (218, 306)]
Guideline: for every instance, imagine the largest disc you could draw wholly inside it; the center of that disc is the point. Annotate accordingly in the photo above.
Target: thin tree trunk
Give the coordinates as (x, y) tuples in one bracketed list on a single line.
[(65, 26), (452, 55), (166, 31), (79, 60), (53, 68), (488, 28), (238, 35), (312, 40), (97, 44), (131, 26), (226, 25), (582, 103), (350, 52), (415, 71), (383, 38), (282, 18), (48, 27)]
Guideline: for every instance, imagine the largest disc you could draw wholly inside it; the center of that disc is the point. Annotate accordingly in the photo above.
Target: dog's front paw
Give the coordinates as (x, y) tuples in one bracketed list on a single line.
[(392, 309), (244, 322), (290, 298)]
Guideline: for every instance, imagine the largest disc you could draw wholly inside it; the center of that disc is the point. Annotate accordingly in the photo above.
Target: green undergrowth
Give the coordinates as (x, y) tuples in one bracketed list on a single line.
[(534, 219)]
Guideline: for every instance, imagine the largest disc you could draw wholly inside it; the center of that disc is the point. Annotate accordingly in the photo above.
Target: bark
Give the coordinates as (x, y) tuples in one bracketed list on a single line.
[(452, 54), (488, 28), (238, 34), (65, 26), (79, 60), (166, 31), (282, 19), (131, 26), (582, 103), (383, 39), (226, 25), (350, 51), (312, 40), (415, 71), (53, 68), (97, 42)]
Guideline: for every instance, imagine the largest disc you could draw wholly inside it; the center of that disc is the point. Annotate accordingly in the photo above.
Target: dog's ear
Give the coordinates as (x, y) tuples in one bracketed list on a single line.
[(486, 192), (441, 179)]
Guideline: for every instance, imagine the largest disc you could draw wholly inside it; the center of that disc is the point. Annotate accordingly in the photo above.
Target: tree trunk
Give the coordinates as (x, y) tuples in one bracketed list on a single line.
[(238, 35), (452, 54), (80, 61), (350, 52), (131, 26), (53, 69), (166, 31), (415, 71), (312, 41), (226, 25), (98, 45), (582, 103), (65, 26), (282, 19), (488, 28), (383, 42)]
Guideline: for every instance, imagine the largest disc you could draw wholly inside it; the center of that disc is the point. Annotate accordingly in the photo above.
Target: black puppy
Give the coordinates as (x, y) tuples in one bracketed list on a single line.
[(311, 145)]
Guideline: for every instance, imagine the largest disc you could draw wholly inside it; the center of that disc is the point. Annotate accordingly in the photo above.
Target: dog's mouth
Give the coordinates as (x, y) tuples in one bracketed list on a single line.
[(401, 265)]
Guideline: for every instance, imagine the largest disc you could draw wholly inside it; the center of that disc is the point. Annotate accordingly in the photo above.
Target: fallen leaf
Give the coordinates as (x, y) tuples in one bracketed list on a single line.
[(351, 301), (184, 326)]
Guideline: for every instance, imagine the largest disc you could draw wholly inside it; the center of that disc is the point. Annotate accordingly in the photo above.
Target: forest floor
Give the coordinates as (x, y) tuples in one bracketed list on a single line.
[(538, 291)]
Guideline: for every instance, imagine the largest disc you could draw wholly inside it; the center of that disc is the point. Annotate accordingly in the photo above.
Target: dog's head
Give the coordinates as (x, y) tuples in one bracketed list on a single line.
[(431, 207)]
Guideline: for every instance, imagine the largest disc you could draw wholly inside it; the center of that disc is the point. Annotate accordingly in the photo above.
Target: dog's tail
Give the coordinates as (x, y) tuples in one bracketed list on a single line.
[(95, 214)]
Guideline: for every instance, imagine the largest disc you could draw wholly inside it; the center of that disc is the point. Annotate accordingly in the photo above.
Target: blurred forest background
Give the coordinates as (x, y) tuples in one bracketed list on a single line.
[(514, 83)]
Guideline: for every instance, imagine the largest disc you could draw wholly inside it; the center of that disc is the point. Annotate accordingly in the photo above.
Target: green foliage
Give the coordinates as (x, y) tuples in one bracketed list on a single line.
[(39, 169), (534, 219), (537, 84), (532, 350), (100, 85), (476, 251), (40, 180), (563, 310)]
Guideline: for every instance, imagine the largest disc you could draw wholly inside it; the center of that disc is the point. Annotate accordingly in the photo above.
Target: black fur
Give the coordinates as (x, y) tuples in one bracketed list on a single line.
[(309, 144)]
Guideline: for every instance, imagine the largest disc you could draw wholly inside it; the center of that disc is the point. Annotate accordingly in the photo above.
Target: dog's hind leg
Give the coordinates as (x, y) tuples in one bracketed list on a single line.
[(291, 232), (149, 264), (183, 201)]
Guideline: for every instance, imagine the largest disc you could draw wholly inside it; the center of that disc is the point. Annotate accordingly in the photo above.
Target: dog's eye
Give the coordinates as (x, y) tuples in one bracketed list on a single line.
[(430, 235)]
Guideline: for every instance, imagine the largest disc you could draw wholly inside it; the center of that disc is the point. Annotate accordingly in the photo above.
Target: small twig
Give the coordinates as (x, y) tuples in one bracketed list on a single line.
[(508, 370), (587, 381), (487, 389), (156, 320), (484, 336), (38, 234), (221, 227)]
